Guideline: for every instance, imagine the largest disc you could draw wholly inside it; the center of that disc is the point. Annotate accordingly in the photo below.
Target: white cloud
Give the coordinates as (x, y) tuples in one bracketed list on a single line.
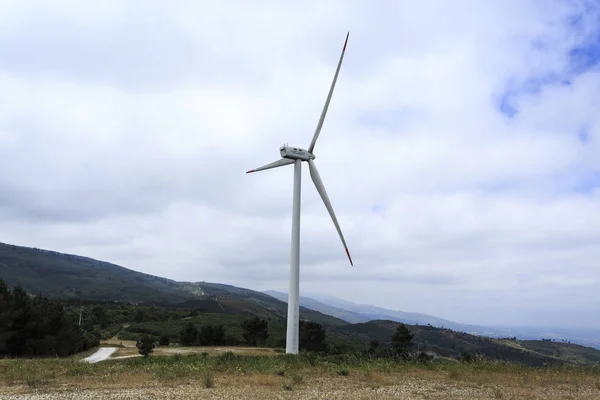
[(126, 129)]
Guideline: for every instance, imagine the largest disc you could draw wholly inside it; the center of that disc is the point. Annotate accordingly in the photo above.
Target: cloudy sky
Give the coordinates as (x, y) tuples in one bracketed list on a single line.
[(461, 151)]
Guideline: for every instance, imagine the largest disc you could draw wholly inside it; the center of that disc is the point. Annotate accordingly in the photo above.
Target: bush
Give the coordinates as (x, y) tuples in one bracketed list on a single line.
[(210, 335), (255, 331), (164, 340), (126, 335), (208, 379), (88, 341), (468, 357), (189, 335), (145, 345), (312, 336)]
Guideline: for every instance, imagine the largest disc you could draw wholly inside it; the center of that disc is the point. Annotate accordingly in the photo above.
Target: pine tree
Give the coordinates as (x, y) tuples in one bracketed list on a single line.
[(34, 326), (402, 340)]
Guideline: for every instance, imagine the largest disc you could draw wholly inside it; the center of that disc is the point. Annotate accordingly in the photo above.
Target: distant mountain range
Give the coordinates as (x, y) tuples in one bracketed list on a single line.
[(358, 313)]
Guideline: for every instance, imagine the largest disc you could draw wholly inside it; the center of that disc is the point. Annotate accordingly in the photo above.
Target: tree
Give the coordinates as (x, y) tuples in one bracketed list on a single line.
[(312, 336), (101, 316), (402, 340), (373, 345), (210, 335), (188, 335), (164, 340), (139, 315), (36, 326), (145, 345), (255, 331)]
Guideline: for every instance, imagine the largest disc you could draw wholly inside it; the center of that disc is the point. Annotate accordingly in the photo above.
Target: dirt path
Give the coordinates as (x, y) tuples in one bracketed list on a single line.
[(102, 354)]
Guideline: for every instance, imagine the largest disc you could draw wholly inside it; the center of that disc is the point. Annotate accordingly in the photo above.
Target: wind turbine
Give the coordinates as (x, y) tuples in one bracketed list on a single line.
[(293, 155)]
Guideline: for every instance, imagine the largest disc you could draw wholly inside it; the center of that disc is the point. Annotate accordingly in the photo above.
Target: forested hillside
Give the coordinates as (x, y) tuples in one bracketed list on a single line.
[(36, 326)]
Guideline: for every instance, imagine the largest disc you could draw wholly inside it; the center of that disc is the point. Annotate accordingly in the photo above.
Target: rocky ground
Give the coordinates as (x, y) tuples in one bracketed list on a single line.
[(272, 387)]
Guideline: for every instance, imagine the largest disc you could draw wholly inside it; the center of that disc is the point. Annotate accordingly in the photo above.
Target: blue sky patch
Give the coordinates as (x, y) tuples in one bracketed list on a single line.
[(588, 183), (377, 209), (581, 59), (583, 135)]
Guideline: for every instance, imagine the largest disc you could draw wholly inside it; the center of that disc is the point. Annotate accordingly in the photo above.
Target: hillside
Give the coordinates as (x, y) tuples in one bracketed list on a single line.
[(566, 351), (313, 304), (449, 343), (366, 312), (356, 313), (68, 276), (61, 275), (169, 305)]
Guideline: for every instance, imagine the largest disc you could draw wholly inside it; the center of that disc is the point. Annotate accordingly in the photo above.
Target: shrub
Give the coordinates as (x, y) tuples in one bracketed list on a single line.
[(255, 331), (164, 340), (145, 345), (188, 335), (312, 336), (208, 379)]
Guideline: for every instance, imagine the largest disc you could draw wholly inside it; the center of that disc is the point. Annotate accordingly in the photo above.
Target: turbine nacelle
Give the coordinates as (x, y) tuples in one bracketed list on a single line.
[(295, 153)]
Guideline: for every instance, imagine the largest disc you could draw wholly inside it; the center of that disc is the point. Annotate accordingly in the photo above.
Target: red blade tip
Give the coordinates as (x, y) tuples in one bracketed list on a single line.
[(349, 258), (249, 171)]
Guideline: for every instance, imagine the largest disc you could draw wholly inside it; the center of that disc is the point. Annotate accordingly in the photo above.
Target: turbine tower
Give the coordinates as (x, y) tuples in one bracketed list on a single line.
[(293, 155)]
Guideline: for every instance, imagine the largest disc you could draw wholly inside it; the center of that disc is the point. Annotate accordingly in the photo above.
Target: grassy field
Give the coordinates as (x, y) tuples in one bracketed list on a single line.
[(228, 375)]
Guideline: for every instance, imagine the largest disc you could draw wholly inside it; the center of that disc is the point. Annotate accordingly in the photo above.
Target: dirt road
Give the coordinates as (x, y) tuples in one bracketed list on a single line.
[(102, 354)]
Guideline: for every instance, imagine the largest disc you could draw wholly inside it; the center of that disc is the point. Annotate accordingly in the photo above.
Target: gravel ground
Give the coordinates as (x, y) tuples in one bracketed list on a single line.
[(318, 389)]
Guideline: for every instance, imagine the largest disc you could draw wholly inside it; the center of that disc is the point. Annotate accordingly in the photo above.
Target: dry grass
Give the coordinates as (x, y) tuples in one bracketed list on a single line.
[(127, 348), (301, 377)]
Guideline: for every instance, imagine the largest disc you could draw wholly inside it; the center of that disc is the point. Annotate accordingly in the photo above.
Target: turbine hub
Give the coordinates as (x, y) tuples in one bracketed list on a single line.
[(295, 153)]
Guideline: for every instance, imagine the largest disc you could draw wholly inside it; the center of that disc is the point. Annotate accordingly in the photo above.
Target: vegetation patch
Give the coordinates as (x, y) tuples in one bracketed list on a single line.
[(34, 326)]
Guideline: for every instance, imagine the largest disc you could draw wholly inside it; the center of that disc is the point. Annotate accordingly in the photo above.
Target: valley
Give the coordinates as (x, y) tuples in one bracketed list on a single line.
[(117, 303)]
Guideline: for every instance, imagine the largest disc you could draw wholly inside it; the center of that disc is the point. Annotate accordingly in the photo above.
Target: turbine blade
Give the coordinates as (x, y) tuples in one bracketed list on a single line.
[(316, 178), (279, 163), (324, 112)]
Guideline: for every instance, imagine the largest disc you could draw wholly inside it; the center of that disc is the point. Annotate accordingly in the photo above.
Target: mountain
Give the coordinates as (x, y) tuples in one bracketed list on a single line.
[(346, 315), (68, 276), (357, 313)]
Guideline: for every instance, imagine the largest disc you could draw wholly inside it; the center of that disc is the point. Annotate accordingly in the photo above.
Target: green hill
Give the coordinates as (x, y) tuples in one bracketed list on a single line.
[(566, 351), (449, 343), (68, 276)]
